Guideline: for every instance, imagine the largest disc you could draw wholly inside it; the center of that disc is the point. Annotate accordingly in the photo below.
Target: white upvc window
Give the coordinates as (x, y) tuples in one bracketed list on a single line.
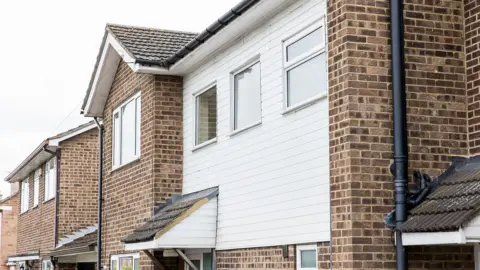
[(125, 262), (203, 261), (126, 132), (246, 108), (307, 257), (50, 179), (25, 189), (47, 265), (36, 187), (305, 66), (206, 116)]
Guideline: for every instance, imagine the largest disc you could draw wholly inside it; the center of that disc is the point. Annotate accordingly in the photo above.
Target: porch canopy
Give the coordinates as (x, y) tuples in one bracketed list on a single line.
[(185, 221), (77, 247), (23, 257), (451, 212)]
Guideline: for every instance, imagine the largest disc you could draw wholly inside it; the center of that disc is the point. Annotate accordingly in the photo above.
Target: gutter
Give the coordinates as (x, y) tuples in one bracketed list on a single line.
[(35, 152), (99, 197), (400, 155)]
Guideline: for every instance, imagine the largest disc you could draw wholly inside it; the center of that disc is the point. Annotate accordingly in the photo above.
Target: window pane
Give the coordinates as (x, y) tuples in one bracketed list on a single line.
[(304, 44), (207, 261), (306, 80), (206, 115), (128, 132), (247, 103), (113, 266), (308, 259), (137, 125), (126, 263), (116, 139), (136, 264), (36, 187)]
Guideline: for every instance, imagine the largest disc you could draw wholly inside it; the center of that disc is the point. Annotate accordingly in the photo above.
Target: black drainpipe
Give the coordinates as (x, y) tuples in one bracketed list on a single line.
[(400, 154), (99, 198), (57, 197)]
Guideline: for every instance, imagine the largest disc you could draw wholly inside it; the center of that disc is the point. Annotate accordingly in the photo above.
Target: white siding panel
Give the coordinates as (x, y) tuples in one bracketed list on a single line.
[(197, 230), (274, 178)]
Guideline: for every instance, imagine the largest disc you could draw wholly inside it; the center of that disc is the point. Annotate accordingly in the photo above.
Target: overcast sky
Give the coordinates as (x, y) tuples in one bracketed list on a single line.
[(48, 52)]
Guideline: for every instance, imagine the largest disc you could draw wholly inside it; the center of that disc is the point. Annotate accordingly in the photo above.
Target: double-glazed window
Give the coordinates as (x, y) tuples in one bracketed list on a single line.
[(50, 179), (202, 261), (36, 187), (25, 189), (246, 105), (126, 131), (307, 257), (305, 65), (125, 262), (47, 265), (206, 115)]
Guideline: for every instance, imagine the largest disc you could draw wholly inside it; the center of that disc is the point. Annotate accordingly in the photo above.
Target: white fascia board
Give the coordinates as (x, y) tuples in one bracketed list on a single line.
[(113, 52), (56, 142), (23, 258), (140, 246), (156, 244), (262, 11), (434, 238)]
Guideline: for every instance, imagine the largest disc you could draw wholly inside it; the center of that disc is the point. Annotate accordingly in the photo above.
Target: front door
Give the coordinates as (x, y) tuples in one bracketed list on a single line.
[(86, 266)]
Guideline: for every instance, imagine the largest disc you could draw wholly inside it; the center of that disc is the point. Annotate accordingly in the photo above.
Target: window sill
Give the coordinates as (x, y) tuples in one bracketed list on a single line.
[(36, 206), (204, 144), (48, 200), (24, 212), (305, 103), (235, 132), (126, 164)]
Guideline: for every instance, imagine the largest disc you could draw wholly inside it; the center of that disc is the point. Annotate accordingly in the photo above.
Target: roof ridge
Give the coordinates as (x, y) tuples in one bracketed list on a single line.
[(151, 28)]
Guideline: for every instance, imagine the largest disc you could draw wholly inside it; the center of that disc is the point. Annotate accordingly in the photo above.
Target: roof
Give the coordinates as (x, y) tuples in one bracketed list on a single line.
[(86, 243), (149, 44), (170, 214), (39, 155), (454, 201)]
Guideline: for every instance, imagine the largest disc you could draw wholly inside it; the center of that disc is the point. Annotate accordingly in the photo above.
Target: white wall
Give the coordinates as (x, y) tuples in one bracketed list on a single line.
[(274, 178)]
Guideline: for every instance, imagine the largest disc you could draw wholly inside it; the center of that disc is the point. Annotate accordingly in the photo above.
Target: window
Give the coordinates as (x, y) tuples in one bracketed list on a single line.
[(125, 262), (247, 109), (36, 187), (50, 179), (47, 265), (126, 132), (25, 195), (307, 257), (203, 261), (305, 65), (206, 116)]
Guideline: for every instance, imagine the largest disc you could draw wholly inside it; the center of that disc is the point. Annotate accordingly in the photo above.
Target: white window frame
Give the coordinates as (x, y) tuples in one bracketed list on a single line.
[(47, 185), (44, 265), (119, 256), (300, 248), (36, 186), (305, 57), (25, 196), (255, 60), (197, 257), (137, 130), (194, 102)]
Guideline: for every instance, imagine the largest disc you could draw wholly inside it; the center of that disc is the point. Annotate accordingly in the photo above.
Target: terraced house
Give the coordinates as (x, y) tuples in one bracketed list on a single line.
[(57, 203), (267, 140)]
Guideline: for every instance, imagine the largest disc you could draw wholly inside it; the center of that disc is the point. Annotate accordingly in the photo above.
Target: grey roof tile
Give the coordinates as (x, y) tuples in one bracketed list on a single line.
[(453, 202)]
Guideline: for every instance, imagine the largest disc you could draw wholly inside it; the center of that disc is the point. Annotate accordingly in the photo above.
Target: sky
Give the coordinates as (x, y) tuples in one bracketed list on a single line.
[(48, 52)]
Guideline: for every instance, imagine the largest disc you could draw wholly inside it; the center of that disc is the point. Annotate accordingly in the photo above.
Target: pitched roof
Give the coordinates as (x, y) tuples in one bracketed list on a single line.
[(176, 210), (149, 44), (86, 243), (454, 201)]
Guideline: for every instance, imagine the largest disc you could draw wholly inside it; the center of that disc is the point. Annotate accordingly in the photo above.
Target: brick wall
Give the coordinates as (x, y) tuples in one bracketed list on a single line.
[(361, 119), (8, 234), (78, 182), (267, 258), (36, 227), (441, 258), (131, 192)]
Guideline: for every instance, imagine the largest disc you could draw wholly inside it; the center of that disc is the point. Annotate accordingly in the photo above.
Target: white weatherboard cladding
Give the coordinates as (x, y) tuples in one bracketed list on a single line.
[(273, 178)]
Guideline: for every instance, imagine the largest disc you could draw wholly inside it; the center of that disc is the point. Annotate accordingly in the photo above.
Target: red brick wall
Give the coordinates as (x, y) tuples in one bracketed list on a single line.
[(131, 192), (78, 183), (8, 234), (267, 258), (361, 119)]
